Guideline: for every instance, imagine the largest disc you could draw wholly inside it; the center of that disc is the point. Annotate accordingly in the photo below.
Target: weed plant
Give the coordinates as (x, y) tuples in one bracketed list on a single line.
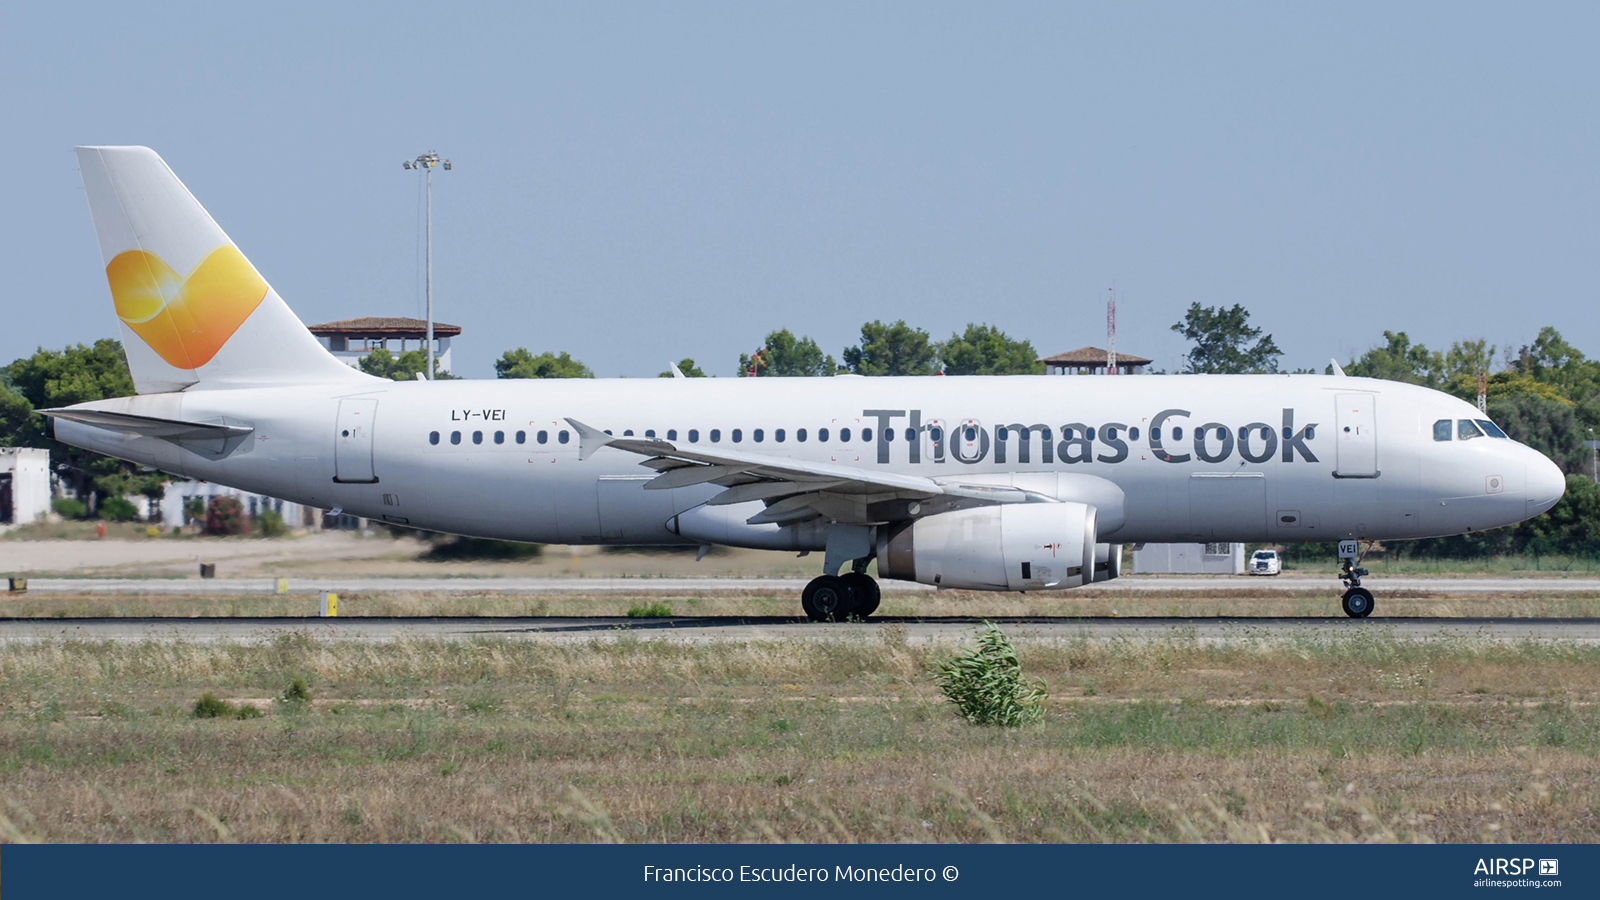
[(986, 683)]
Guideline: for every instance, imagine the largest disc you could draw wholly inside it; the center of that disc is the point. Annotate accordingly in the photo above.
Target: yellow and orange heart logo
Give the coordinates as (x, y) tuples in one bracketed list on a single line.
[(185, 320)]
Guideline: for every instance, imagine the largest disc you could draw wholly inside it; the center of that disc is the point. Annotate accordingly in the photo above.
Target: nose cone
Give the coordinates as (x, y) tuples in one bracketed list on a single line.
[(1546, 484)]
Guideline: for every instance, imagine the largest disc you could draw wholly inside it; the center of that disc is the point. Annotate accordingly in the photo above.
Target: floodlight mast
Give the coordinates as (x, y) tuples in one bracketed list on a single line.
[(426, 162)]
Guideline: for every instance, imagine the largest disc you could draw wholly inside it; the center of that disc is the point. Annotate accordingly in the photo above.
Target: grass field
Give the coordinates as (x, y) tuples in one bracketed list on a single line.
[(1081, 602), (1308, 737)]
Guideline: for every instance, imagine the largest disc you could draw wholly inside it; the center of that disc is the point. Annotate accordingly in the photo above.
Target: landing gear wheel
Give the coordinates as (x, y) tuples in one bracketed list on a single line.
[(865, 589), (828, 598), (1358, 603)]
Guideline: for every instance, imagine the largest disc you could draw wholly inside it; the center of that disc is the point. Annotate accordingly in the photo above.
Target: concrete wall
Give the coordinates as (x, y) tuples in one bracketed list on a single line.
[(294, 515), (1189, 559), (29, 469)]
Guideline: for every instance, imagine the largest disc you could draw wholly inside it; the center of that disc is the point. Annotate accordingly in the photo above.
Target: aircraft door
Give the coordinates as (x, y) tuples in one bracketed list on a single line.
[(352, 442), (935, 432), (1357, 436)]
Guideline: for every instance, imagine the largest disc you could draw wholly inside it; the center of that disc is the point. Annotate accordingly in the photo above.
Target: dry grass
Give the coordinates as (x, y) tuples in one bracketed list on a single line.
[(1304, 737), (1083, 602)]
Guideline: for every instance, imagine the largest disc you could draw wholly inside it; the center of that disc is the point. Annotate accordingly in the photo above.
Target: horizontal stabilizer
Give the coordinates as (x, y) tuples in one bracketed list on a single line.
[(149, 426)]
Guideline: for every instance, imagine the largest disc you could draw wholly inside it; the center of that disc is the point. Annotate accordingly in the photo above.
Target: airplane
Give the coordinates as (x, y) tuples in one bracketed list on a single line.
[(1015, 483)]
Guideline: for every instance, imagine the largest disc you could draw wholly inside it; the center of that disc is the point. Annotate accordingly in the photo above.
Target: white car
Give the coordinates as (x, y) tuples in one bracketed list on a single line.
[(1265, 562)]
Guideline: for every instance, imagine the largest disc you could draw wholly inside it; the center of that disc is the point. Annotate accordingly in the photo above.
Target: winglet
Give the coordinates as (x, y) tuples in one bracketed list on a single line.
[(1337, 369), (589, 439), (676, 372)]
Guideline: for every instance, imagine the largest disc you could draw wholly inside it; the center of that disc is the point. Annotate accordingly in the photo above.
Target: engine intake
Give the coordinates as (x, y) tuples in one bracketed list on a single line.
[(1009, 547)]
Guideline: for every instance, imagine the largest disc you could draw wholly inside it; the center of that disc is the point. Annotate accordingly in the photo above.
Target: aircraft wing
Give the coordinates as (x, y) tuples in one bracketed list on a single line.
[(794, 490)]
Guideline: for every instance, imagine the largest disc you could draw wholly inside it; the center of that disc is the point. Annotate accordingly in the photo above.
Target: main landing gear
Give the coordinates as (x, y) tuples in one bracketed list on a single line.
[(1357, 601), (837, 598)]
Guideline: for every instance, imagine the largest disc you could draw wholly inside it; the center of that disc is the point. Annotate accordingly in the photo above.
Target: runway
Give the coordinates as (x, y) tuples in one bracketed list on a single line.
[(738, 629), (679, 586)]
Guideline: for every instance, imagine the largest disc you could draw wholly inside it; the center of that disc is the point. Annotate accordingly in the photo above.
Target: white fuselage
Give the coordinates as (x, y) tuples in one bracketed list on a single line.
[(1278, 458)]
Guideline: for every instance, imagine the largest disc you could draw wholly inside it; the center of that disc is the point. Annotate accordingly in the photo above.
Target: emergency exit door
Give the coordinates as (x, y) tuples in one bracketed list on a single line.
[(1356, 436), (352, 442)]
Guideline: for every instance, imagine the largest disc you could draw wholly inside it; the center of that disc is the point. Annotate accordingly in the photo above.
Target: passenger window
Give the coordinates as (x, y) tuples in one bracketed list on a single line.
[(433, 437), (1001, 433), (1441, 430), (1466, 431), (627, 432), (716, 435), (759, 435), (672, 434), (822, 434), (562, 436), (522, 437), (738, 435), (800, 435), (1111, 434), (477, 437), (499, 437), (455, 437), (1155, 435), (650, 432), (1089, 433), (543, 437), (888, 435), (936, 433), (1133, 433), (694, 435), (1491, 429), (1177, 432), (911, 435), (866, 435), (972, 434), (844, 435), (778, 435)]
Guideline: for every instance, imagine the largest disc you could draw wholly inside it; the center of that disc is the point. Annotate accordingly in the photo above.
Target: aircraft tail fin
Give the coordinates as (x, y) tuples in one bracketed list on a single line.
[(194, 312)]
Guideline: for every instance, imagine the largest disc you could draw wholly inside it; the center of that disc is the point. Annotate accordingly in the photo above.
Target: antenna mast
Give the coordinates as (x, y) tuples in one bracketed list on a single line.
[(1111, 333)]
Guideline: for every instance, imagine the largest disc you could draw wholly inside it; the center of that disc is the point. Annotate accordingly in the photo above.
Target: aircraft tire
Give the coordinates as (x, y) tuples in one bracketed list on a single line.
[(1357, 603), (828, 598), (865, 589)]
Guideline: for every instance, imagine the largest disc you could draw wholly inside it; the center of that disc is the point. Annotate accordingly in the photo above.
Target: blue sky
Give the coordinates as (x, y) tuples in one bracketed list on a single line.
[(640, 182)]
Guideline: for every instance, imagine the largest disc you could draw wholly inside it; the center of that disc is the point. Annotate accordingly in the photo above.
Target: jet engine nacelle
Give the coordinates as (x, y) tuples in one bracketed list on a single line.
[(1009, 547)]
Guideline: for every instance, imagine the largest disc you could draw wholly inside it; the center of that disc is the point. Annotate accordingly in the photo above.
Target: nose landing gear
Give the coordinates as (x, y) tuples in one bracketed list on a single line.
[(1357, 601)]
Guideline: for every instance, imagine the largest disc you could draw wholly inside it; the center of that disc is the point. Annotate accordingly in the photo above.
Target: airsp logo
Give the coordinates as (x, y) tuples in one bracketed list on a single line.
[(1501, 866)]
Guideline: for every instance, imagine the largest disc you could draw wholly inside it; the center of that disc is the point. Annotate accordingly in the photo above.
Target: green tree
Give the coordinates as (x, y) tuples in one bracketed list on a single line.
[(1225, 343), (896, 349), (1551, 360), (77, 374), (519, 363), (687, 367), (783, 354), (1468, 358), (405, 367), (1400, 360), (19, 426), (986, 350)]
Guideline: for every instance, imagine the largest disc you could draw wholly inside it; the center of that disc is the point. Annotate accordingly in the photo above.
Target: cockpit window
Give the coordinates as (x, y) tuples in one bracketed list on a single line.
[(1490, 428), (1441, 429), (1466, 431)]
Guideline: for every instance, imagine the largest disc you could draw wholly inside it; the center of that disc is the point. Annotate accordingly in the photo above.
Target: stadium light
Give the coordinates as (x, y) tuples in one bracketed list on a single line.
[(426, 162)]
